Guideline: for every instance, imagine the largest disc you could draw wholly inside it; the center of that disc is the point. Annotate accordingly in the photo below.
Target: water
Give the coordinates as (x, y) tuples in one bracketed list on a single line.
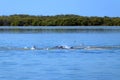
[(87, 53)]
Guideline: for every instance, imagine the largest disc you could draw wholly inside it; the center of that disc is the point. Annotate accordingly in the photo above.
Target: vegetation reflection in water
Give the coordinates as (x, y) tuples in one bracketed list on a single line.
[(59, 29)]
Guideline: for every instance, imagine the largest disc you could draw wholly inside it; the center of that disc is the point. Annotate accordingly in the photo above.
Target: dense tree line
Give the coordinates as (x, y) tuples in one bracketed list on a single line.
[(58, 20)]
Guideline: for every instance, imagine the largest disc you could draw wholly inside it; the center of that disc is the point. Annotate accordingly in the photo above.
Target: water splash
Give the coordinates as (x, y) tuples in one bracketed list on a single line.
[(64, 47)]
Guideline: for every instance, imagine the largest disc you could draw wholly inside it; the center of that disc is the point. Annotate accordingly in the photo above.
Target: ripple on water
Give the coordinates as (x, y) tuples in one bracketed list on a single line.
[(63, 48)]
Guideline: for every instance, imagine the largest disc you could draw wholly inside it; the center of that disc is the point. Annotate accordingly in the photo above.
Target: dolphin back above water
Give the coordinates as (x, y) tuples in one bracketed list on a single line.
[(64, 47), (75, 47)]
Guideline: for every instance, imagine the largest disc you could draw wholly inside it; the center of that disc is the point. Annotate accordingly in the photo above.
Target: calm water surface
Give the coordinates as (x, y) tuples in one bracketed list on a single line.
[(88, 53)]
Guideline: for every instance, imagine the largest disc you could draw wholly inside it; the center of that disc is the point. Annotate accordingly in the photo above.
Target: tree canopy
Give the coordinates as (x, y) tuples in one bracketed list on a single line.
[(58, 20)]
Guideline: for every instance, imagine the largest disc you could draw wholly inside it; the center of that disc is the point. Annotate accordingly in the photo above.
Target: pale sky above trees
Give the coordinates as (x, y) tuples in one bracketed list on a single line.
[(54, 7)]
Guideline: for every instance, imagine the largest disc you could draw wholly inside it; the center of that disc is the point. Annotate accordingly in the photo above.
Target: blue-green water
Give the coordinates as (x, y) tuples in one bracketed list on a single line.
[(60, 53)]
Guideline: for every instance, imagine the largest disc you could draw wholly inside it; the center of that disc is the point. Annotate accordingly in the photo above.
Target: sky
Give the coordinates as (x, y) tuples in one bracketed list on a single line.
[(56, 7)]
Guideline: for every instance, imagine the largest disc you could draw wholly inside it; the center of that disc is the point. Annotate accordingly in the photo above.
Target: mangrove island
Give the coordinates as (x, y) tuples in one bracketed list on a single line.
[(58, 20)]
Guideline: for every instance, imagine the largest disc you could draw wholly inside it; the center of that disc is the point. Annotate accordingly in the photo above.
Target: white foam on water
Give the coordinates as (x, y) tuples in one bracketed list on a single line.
[(63, 47)]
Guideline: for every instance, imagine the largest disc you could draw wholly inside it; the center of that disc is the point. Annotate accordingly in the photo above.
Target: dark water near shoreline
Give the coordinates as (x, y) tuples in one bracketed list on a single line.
[(58, 29), (86, 53)]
